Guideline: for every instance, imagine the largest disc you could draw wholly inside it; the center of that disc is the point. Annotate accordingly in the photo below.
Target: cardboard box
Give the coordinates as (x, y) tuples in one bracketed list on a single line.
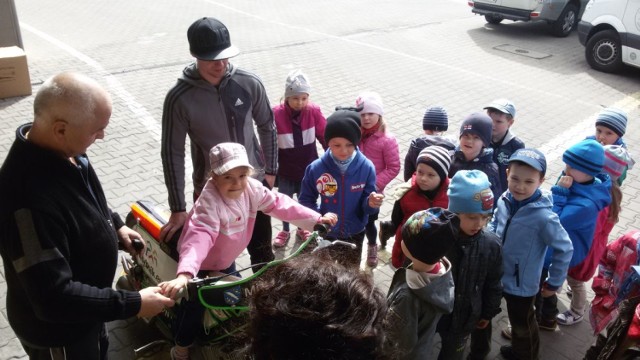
[(14, 73)]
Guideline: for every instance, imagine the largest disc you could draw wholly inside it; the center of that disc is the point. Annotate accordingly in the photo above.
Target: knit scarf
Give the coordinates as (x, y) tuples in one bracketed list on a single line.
[(368, 132)]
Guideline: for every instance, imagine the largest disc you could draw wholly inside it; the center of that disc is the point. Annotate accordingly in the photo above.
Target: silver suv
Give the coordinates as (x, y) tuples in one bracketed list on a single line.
[(562, 15)]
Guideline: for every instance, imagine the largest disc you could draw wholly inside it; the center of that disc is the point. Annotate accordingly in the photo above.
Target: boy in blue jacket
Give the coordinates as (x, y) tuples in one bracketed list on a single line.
[(580, 193), (344, 180), (526, 224)]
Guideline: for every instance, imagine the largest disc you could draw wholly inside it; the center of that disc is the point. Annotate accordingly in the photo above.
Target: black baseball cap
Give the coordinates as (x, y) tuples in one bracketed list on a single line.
[(209, 39)]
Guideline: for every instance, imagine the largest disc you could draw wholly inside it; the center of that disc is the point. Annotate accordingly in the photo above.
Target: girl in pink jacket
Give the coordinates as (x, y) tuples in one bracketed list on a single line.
[(381, 148), (219, 228), (299, 123)]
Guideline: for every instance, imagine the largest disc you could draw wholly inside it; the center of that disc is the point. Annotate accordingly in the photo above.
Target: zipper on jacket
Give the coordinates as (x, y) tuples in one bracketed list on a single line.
[(343, 225), (517, 274)]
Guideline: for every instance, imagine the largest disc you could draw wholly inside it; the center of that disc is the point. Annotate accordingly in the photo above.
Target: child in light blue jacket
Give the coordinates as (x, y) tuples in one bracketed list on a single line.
[(527, 225)]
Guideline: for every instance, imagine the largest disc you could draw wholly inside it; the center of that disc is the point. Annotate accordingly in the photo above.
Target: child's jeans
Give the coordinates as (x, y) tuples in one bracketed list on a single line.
[(525, 338), (288, 187), (579, 297), (370, 230), (480, 343), (188, 322), (452, 346), (546, 307)]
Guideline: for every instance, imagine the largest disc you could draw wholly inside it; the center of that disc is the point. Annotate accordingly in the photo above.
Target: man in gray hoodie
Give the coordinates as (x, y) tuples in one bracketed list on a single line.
[(214, 102)]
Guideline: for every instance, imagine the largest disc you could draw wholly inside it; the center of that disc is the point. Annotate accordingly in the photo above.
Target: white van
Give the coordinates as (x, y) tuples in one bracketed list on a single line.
[(610, 32)]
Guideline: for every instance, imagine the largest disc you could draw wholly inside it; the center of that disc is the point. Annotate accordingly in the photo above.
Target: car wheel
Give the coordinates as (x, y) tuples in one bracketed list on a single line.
[(604, 52), (566, 22), (493, 19)]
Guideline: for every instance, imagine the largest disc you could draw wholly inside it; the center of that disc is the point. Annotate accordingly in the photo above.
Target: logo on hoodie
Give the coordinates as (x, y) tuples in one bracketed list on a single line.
[(239, 102), (327, 185)]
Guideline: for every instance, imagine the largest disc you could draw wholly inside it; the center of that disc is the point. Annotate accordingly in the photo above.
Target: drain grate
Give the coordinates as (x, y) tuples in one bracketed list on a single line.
[(520, 51)]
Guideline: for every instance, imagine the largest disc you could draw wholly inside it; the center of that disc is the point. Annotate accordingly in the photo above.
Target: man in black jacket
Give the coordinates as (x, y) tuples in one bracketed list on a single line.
[(58, 238)]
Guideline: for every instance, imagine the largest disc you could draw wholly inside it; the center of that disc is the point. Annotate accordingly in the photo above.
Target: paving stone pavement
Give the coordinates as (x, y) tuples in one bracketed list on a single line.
[(414, 53)]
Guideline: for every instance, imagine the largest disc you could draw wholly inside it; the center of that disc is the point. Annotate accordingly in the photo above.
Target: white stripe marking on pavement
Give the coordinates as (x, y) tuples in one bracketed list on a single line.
[(405, 55), (115, 86)]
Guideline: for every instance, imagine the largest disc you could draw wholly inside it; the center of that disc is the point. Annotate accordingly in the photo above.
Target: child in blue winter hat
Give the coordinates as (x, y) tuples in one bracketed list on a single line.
[(478, 292), (580, 193), (475, 152)]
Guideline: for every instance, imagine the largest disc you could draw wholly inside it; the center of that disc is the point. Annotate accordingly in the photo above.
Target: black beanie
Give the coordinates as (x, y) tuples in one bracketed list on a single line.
[(344, 124), (429, 234)]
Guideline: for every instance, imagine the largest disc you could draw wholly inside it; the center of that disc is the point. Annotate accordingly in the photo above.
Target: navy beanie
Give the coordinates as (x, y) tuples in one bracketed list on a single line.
[(479, 124), (613, 118), (470, 193), (586, 156), (344, 124), (436, 119), (429, 234)]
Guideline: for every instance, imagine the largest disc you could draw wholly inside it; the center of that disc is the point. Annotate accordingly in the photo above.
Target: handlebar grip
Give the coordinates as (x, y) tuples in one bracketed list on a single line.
[(321, 229), (137, 244)]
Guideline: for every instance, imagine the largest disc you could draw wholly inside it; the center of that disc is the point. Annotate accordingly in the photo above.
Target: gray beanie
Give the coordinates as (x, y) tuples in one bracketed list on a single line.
[(297, 83), (614, 119)]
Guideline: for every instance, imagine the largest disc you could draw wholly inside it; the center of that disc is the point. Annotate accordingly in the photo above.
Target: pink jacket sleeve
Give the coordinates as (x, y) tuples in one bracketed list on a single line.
[(391, 157), (284, 208)]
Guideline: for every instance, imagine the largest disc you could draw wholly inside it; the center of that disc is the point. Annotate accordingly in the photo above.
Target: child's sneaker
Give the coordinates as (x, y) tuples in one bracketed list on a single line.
[(547, 325), (506, 332), (386, 231), (569, 318), (281, 239), (372, 255), (302, 234)]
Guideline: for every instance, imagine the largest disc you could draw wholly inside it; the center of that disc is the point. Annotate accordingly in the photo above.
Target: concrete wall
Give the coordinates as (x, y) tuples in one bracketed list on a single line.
[(9, 26)]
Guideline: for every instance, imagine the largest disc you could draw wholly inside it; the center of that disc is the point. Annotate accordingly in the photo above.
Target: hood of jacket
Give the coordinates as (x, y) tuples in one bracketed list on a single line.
[(191, 75), (439, 291), (599, 191)]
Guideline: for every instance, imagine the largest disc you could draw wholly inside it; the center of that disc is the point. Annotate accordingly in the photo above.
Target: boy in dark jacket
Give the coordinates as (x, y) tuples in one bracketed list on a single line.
[(502, 112), (422, 292), (434, 123), (474, 152), (344, 179), (476, 277)]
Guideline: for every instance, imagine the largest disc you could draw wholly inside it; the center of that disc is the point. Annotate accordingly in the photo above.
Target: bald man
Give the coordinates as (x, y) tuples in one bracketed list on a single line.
[(58, 238)]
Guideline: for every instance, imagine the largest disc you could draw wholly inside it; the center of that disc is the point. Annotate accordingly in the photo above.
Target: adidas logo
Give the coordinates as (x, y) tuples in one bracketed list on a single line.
[(239, 102)]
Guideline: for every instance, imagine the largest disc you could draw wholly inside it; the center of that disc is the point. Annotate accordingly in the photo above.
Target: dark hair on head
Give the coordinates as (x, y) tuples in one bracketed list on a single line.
[(314, 308)]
